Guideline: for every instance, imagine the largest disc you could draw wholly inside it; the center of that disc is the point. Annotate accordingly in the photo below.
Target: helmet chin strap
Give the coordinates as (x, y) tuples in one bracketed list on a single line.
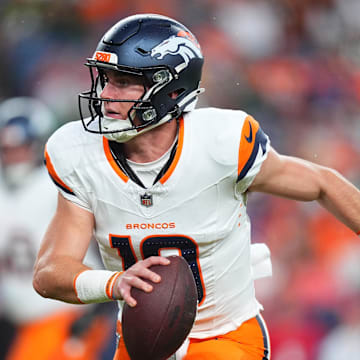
[(118, 126)]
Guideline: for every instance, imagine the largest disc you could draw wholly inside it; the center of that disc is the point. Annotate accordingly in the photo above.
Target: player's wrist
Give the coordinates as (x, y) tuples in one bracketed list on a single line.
[(95, 286)]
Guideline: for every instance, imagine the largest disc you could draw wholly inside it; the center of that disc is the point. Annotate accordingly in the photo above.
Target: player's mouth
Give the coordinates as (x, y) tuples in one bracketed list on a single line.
[(114, 114)]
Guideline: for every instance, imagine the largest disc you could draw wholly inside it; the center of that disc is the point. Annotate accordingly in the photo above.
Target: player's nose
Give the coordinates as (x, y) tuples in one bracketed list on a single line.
[(108, 92)]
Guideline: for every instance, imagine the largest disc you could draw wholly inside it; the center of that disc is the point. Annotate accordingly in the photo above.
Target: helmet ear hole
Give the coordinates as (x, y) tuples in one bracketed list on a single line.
[(175, 94)]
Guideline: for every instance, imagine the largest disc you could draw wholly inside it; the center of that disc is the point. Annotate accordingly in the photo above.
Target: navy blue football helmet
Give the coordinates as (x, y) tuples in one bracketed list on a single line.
[(167, 57), (25, 125)]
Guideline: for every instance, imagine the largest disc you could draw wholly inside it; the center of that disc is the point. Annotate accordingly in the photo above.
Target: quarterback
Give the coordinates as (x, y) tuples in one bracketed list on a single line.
[(148, 175)]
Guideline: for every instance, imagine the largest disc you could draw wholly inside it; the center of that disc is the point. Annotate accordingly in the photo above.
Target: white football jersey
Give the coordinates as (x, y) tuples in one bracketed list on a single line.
[(197, 209)]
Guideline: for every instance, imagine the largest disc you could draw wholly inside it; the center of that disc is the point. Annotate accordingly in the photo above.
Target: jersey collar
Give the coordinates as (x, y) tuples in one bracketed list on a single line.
[(121, 171)]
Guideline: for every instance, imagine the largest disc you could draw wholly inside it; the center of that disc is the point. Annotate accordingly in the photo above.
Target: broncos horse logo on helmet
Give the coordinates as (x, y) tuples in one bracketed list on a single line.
[(167, 57), (177, 45)]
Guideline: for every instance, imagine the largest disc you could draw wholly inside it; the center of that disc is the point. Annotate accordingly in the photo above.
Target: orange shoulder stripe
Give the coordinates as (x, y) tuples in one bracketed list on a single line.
[(53, 174), (247, 141)]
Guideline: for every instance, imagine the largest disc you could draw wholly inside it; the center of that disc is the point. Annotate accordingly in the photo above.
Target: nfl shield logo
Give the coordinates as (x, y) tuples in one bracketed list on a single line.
[(146, 200)]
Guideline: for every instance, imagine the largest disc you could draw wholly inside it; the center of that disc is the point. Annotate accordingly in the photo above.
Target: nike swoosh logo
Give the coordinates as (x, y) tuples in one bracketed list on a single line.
[(250, 137)]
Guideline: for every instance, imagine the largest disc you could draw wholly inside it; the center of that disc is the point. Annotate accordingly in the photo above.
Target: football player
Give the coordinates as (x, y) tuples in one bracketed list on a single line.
[(149, 175), (43, 326)]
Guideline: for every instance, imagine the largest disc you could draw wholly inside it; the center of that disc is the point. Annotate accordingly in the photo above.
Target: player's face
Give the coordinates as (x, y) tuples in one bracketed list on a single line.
[(13, 151), (120, 86), (16, 163), (15, 155)]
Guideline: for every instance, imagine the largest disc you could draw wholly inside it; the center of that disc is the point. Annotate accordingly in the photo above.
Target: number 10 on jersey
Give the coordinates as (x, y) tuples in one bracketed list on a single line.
[(152, 246)]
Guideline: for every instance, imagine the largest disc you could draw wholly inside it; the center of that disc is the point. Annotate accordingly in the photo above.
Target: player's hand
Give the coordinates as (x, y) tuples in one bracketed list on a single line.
[(133, 277)]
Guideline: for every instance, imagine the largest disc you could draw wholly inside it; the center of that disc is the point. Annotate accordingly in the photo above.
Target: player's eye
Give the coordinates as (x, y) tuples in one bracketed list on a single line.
[(122, 82)]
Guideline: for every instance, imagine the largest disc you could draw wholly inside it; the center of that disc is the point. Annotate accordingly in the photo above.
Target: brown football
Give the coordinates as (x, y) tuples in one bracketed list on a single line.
[(157, 326)]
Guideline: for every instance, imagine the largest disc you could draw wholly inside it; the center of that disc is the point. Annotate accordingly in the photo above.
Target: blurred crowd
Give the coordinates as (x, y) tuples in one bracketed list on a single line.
[(292, 64)]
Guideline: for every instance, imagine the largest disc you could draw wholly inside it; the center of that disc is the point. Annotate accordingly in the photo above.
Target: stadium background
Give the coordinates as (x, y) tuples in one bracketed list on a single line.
[(295, 66)]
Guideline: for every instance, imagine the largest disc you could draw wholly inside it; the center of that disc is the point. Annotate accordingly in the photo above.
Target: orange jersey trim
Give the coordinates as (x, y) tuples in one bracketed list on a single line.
[(55, 177), (172, 167), (112, 161), (167, 174), (247, 141)]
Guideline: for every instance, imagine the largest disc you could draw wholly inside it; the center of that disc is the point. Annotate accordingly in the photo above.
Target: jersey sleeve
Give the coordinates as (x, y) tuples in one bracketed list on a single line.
[(253, 150), (61, 166)]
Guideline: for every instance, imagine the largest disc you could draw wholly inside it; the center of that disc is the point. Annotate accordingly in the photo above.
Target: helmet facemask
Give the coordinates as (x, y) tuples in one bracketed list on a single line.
[(141, 117)]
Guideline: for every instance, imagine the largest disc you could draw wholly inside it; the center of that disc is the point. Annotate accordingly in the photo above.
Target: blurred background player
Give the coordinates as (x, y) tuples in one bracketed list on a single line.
[(34, 327)]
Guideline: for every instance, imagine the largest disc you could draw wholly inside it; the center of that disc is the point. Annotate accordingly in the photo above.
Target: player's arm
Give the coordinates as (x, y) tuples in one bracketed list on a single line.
[(299, 179), (62, 251)]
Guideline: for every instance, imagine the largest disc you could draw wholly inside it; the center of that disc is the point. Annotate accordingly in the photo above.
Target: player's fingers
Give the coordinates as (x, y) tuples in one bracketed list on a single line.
[(156, 260), (135, 281), (122, 290), (146, 273), (126, 296)]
